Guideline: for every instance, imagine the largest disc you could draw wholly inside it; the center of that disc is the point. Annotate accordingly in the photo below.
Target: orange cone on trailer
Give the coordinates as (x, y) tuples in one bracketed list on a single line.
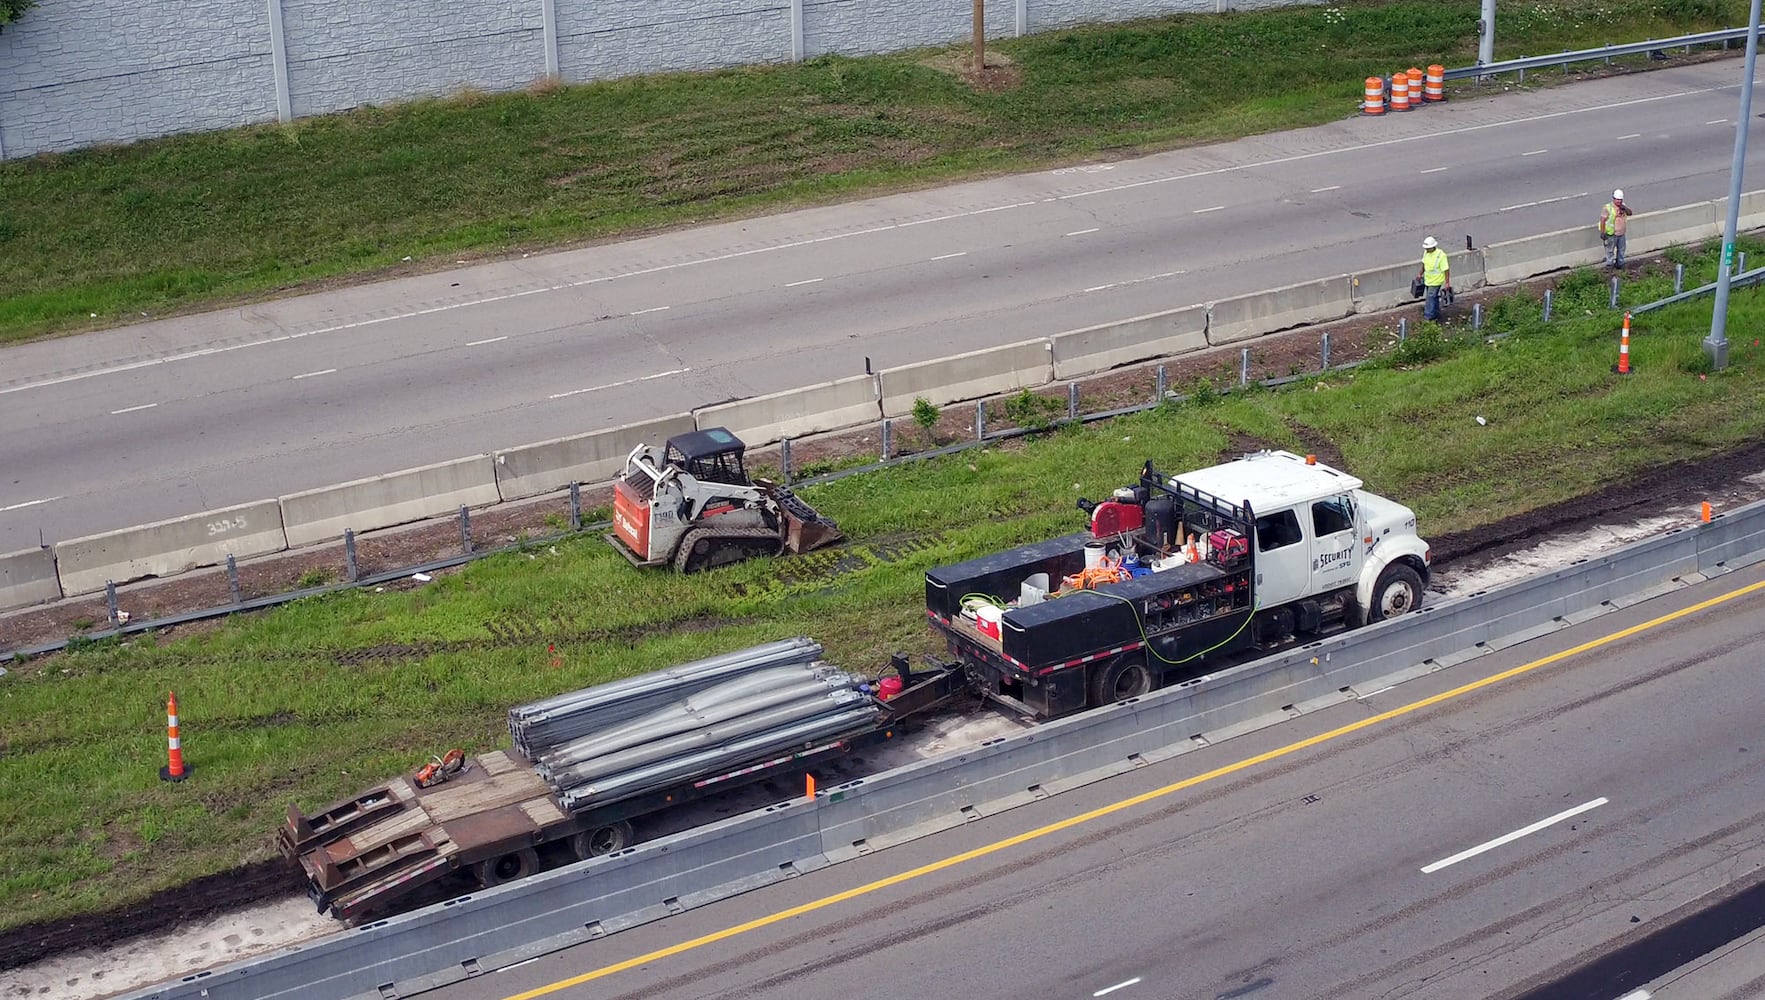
[(1623, 366), (1400, 91), (174, 769), (1434, 87), (1375, 100)]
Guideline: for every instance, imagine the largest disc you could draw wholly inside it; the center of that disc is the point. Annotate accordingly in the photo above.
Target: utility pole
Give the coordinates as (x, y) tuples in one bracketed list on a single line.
[(1716, 344), (980, 35), (1486, 34)]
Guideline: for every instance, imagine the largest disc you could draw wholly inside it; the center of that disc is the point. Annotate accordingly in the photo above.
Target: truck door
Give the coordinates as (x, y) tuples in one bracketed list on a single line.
[(1283, 559), (1335, 555)]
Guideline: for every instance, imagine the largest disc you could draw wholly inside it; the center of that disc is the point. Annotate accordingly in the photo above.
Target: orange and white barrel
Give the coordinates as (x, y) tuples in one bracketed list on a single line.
[(1435, 84), (1400, 91), (1374, 104)]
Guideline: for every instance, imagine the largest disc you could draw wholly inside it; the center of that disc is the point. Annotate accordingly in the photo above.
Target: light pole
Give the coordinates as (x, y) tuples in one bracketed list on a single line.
[(1716, 344), (1486, 34)]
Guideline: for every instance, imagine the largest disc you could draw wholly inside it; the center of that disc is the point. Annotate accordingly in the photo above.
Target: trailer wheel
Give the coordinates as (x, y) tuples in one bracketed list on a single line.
[(1125, 678), (510, 867), (1398, 592), (599, 840)]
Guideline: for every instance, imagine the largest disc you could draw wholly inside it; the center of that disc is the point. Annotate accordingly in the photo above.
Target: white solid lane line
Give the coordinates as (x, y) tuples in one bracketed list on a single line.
[(1107, 990), (1511, 837), (1084, 232), (615, 385), (481, 343), (959, 253), (811, 241), (652, 309), (328, 371), (28, 503), (132, 409), (805, 281), (1535, 204)]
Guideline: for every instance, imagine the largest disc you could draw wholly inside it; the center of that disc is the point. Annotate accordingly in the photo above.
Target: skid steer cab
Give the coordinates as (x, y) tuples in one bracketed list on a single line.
[(692, 504)]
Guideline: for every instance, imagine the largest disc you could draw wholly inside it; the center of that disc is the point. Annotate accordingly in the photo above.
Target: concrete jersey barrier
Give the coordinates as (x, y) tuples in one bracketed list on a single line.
[(1389, 287), (1517, 260), (761, 420), (1110, 345), (973, 375), (383, 501), (167, 547), (1649, 232), (1246, 316), (28, 577), (536, 469)]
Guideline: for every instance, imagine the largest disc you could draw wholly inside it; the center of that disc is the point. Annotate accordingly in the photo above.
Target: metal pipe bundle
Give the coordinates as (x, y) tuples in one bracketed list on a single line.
[(754, 748), (732, 699), (542, 725)]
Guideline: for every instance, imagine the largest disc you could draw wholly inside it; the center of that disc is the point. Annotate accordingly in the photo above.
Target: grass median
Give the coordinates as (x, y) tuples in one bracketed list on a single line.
[(113, 235), (320, 699)]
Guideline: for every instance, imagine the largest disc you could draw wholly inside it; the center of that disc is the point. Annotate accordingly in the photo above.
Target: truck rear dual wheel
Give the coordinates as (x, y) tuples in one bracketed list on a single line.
[(596, 841), (510, 867), (1119, 681)]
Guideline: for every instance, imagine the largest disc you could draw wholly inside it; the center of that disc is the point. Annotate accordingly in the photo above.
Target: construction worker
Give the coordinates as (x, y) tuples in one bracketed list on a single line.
[(1436, 275), (1612, 216)]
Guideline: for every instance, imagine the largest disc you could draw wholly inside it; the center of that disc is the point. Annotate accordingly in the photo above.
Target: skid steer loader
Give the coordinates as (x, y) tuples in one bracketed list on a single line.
[(693, 505)]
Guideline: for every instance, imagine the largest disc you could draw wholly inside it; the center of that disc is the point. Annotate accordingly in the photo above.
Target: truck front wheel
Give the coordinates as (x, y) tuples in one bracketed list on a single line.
[(510, 867), (1398, 592), (1119, 681)]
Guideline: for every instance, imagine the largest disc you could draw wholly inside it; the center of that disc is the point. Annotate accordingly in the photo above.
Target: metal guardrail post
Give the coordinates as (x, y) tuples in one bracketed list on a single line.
[(887, 429), (233, 578), (1613, 303), (465, 529), (784, 458), (1324, 349), (1476, 316), (349, 565), (1547, 305), (1403, 329), (1740, 262), (110, 600), (575, 506), (980, 420), (1072, 401), (1244, 366), (1678, 278), (1161, 387)]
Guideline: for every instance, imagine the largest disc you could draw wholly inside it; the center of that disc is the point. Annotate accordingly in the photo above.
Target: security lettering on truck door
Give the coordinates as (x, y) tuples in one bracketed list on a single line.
[(1336, 552)]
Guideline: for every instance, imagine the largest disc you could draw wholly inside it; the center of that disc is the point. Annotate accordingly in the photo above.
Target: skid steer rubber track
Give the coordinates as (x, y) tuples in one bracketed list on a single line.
[(708, 548)]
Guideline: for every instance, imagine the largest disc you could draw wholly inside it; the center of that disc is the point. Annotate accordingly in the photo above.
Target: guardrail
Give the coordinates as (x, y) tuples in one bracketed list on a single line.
[(1604, 52), (1742, 280), (478, 933), (97, 563)]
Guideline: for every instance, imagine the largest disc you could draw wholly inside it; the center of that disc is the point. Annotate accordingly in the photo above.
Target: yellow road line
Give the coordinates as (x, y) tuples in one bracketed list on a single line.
[(1128, 803)]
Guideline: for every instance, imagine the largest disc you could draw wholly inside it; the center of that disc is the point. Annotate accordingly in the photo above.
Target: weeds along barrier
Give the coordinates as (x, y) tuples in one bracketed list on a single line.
[(96, 564)]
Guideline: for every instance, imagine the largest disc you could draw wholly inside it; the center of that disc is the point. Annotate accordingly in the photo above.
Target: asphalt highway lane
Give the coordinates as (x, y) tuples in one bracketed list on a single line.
[(174, 416), (1493, 830)]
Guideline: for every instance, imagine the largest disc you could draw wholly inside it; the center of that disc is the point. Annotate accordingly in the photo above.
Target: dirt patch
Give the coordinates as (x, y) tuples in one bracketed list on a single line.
[(203, 897)]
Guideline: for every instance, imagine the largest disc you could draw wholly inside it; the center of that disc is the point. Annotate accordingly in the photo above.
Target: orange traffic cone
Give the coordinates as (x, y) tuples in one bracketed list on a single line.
[(1704, 512), (809, 787), (174, 769), (1623, 366)]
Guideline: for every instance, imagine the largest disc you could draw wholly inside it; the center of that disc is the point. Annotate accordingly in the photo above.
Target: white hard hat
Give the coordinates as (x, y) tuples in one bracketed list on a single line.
[(1618, 195), (1430, 243)]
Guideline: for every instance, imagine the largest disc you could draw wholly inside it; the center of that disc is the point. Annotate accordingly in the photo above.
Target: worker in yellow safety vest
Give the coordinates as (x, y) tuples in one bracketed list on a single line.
[(1436, 275), (1612, 226)]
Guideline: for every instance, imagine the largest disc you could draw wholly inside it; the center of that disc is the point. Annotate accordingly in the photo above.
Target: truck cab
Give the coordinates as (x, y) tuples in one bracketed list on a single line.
[(1324, 545)]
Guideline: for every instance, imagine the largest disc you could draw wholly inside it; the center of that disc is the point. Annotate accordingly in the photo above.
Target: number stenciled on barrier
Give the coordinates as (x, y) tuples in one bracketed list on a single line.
[(226, 525)]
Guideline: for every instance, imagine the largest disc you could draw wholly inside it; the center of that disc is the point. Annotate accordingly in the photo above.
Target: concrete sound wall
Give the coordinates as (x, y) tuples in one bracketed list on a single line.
[(761, 420), (1261, 313), (968, 376), (1111, 345), (28, 577), (167, 547), (535, 469), (383, 501)]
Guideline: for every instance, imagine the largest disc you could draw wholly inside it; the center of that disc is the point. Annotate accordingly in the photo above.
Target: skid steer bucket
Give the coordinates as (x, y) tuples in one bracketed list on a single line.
[(804, 527)]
